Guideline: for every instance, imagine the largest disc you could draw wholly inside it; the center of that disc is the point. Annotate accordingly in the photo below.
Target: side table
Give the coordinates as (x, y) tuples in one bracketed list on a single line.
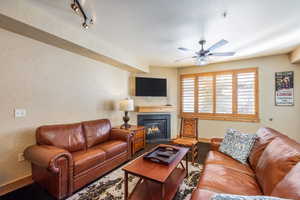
[(139, 137)]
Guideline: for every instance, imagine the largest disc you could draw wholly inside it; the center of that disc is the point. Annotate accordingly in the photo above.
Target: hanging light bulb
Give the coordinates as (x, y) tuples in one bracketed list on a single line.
[(75, 7), (85, 25)]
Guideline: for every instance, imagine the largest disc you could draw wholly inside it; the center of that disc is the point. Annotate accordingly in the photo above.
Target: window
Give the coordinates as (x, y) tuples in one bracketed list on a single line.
[(227, 95), (188, 94)]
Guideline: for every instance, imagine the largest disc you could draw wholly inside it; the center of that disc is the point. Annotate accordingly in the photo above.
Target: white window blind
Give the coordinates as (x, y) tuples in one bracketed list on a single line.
[(205, 94), (246, 93), (224, 93), (188, 94)]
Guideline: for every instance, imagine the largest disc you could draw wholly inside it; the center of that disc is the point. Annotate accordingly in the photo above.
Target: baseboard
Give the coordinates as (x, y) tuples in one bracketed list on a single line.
[(14, 185)]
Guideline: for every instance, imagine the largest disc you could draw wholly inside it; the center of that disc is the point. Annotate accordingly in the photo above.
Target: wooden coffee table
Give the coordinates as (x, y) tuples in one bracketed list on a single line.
[(157, 181)]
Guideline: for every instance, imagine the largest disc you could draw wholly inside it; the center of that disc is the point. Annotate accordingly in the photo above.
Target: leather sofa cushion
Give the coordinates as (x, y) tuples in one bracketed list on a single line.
[(84, 160), (96, 131), (289, 186), (280, 156), (68, 136), (216, 157), (265, 136), (202, 194), (113, 148), (220, 179)]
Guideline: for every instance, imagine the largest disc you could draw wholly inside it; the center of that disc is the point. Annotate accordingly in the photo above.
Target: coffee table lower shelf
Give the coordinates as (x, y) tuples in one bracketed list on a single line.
[(149, 190)]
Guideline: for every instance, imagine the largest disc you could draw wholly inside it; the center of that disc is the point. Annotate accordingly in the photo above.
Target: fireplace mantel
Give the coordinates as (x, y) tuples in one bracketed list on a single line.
[(155, 109)]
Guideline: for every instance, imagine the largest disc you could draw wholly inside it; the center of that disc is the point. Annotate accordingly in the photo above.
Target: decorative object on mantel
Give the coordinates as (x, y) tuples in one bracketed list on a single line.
[(76, 6), (149, 109), (284, 91), (126, 106)]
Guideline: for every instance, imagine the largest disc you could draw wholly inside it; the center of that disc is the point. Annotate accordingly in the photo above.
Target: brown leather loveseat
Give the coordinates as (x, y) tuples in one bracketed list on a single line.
[(67, 157), (273, 169)]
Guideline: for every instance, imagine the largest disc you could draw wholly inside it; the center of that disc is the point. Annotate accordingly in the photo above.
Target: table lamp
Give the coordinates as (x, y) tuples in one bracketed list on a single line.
[(126, 105)]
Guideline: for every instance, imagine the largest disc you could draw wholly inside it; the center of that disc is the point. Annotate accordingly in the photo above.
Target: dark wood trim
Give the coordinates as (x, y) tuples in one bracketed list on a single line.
[(14, 185)]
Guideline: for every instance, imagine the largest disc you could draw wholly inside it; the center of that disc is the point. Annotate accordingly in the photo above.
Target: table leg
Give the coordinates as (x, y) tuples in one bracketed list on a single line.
[(162, 191), (187, 165), (126, 185)]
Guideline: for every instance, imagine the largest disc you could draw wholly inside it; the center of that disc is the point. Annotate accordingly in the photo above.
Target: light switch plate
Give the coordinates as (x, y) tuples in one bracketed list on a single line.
[(20, 112), (21, 157)]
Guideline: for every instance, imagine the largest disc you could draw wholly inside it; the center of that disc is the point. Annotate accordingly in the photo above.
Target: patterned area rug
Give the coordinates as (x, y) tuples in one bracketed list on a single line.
[(111, 186)]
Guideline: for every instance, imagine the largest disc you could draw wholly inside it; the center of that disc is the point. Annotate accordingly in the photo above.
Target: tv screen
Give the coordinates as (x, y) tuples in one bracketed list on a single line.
[(155, 87)]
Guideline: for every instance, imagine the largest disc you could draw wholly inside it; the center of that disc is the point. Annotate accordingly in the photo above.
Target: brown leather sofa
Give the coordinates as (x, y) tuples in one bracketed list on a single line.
[(273, 169), (67, 157)]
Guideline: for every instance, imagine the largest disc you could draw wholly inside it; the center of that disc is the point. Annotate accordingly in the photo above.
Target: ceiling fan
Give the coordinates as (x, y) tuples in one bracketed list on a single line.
[(202, 55)]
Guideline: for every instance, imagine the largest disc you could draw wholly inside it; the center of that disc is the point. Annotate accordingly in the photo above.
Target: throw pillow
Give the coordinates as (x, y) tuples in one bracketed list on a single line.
[(241, 197), (238, 145)]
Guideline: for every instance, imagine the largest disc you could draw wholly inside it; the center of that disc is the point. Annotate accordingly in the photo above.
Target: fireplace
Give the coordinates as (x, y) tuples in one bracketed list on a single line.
[(157, 126)]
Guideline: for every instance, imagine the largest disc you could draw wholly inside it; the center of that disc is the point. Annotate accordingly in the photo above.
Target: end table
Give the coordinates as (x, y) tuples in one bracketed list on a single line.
[(139, 137)]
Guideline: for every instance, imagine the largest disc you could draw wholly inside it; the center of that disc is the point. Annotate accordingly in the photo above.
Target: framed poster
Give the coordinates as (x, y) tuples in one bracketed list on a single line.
[(284, 91)]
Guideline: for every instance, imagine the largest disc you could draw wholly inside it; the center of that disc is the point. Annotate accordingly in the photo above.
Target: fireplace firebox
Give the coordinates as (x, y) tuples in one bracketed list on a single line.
[(157, 126)]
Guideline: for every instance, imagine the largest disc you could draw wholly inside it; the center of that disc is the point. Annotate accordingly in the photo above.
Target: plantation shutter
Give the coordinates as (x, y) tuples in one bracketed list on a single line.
[(246, 93), (205, 94), (188, 94), (224, 93)]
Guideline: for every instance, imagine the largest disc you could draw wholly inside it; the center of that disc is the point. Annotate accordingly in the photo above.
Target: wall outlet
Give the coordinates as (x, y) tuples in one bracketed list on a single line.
[(20, 112), (21, 157)]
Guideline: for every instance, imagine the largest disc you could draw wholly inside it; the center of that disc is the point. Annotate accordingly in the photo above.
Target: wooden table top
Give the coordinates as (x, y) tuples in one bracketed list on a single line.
[(154, 171), (132, 128)]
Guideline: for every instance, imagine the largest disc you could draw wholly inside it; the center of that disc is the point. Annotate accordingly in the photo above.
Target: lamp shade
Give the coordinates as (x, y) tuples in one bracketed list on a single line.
[(126, 105)]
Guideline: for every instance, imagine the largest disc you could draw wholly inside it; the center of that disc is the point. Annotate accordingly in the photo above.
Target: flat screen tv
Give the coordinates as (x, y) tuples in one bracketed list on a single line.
[(154, 87)]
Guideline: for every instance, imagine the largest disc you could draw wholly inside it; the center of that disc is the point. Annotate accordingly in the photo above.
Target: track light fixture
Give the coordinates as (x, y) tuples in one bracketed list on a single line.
[(85, 25), (76, 6)]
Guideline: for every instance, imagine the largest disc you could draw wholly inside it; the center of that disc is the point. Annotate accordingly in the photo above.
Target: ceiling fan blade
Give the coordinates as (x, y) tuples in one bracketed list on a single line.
[(217, 45), (185, 58), (222, 54), (184, 49)]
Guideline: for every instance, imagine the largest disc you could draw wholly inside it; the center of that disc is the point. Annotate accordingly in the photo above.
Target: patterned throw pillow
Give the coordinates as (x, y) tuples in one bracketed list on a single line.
[(240, 197), (238, 145)]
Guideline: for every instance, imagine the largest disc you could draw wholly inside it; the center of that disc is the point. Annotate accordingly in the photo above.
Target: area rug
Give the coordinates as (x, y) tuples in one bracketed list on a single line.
[(111, 186)]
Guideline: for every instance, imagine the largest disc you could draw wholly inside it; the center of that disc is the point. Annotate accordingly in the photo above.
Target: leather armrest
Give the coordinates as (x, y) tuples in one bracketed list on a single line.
[(215, 143), (119, 134), (46, 156)]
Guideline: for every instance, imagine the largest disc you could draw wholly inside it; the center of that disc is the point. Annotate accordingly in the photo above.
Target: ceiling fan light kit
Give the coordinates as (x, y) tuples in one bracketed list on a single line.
[(203, 55), (76, 6), (202, 61)]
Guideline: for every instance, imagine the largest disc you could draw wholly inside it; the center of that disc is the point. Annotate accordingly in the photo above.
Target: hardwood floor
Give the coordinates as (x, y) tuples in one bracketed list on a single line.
[(35, 192)]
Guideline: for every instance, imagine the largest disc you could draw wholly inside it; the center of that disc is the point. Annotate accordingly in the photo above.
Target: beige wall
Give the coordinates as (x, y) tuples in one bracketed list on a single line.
[(54, 86), (160, 72), (285, 119)]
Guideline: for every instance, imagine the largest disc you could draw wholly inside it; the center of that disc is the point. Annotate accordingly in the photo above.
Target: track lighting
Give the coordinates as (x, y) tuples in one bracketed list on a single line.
[(85, 25), (91, 21), (76, 6)]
